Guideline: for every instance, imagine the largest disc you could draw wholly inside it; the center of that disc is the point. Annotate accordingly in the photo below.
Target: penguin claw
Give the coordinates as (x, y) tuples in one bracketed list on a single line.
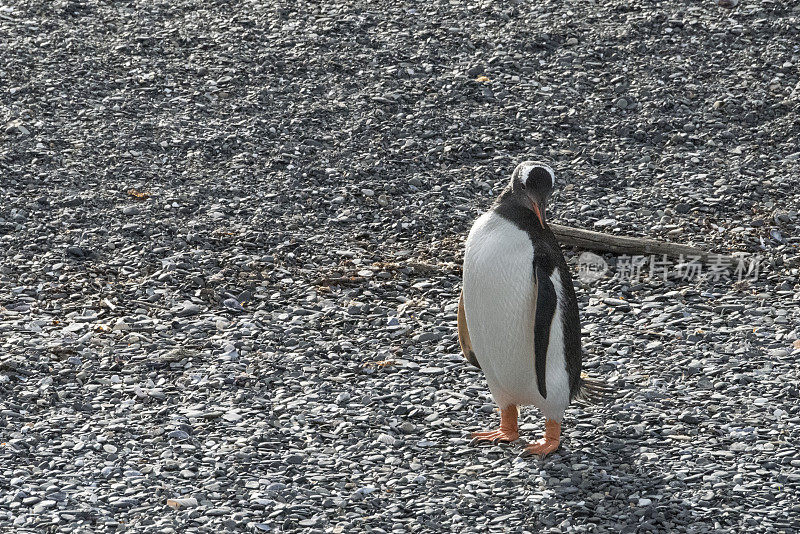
[(494, 436), (541, 448), (508, 431)]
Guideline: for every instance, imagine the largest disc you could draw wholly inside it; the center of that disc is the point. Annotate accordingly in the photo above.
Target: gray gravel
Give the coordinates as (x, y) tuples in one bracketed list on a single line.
[(216, 219)]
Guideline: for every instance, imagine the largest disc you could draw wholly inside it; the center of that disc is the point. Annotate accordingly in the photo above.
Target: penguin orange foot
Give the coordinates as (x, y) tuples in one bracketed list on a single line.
[(508, 431), (549, 443)]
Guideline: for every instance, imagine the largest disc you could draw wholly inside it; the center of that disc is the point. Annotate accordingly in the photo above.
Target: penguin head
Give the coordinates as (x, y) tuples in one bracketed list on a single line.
[(532, 183)]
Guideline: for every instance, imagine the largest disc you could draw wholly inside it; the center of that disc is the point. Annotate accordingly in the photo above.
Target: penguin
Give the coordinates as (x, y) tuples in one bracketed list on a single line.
[(517, 314)]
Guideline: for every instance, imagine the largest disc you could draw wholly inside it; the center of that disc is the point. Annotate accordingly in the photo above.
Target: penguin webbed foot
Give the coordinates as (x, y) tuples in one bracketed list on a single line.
[(508, 431), (541, 448), (547, 444), (494, 436)]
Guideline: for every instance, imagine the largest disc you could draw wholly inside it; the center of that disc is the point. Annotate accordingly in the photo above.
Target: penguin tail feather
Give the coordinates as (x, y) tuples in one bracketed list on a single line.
[(593, 391)]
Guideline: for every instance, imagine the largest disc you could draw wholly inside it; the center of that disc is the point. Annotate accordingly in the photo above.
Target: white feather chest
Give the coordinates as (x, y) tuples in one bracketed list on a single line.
[(499, 307)]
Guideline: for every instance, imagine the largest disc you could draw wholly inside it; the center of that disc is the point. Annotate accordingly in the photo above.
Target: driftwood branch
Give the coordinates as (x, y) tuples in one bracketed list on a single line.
[(589, 240), (566, 235)]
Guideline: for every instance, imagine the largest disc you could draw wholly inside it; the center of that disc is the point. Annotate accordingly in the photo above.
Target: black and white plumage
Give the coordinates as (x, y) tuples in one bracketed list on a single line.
[(518, 315)]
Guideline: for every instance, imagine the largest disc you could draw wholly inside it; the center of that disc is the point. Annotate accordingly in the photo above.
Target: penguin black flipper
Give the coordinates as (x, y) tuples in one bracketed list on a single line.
[(545, 300), (463, 334)]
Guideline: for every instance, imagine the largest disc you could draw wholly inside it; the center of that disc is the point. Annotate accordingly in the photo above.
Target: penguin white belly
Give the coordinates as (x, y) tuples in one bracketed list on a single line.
[(499, 308)]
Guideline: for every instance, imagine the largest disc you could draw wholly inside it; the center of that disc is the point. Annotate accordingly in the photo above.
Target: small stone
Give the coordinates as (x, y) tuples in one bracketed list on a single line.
[(386, 439), (131, 210), (617, 303), (186, 502), (689, 418), (188, 309), (602, 223), (43, 506), (76, 252), (296, 459), (360, 492), (407, 427), (232, 417), (233, 305)]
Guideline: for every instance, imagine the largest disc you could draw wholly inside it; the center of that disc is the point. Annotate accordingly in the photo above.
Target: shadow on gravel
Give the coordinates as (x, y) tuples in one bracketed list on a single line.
[(609, 486)]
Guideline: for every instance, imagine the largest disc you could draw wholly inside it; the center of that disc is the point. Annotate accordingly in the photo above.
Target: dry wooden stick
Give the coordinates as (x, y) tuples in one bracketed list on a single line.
[(566, 235), (589, 240)]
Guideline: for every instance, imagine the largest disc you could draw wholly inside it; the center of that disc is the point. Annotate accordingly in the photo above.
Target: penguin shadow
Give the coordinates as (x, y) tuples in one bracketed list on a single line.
[(603, 475)]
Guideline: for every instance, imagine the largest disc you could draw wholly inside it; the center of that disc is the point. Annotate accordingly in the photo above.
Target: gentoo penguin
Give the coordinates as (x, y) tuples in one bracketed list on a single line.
[(518, 315)]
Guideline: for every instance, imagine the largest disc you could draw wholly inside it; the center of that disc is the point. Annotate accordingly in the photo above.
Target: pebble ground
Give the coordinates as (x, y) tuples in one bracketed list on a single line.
[(216, 218)]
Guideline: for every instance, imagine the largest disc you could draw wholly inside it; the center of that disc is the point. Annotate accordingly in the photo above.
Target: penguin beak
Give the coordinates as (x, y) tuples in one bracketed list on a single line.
[(538, 209)]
